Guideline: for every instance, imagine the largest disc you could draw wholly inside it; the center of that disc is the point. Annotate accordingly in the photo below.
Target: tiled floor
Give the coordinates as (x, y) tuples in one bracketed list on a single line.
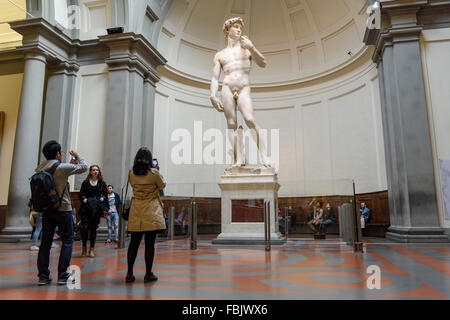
[(301, 269)]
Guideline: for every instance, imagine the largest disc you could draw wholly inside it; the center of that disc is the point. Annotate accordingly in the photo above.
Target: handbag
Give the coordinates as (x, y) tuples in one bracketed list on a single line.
[(125, 212), (31, 219)]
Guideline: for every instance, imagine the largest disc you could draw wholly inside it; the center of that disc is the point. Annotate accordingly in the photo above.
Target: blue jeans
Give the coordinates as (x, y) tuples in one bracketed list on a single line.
[(64, 222), (38, 229), (113, 225), (324, 224)]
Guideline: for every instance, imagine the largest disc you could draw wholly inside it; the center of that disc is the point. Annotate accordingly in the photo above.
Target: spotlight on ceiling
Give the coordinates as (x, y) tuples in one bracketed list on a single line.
[(115, 30)]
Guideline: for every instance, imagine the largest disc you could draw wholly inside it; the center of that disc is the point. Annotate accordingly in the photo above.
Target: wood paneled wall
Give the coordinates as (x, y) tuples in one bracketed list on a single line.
[(377, 202), (209, 209)]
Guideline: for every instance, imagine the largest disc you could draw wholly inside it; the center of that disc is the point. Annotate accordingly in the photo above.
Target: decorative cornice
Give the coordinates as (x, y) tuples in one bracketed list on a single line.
[(39, 34), (151, 14), (132, 52), (69, 68), (128, 51), (152, 77), (195, 81), (135, 42), (309, 89), (402, 4)]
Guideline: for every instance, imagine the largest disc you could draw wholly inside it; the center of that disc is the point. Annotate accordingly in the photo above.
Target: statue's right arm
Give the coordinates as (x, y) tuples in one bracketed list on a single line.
[(215, 85)]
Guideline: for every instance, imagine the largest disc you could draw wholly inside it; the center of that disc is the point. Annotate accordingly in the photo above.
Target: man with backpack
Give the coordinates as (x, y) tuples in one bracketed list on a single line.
[(51, 195)]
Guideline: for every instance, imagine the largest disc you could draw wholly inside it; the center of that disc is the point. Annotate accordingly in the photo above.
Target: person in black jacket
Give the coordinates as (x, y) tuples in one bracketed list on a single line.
[(329, 219), (94, 204)]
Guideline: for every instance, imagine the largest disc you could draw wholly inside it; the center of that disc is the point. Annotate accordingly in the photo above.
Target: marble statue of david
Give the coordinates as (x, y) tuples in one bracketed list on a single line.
[(236, 60)]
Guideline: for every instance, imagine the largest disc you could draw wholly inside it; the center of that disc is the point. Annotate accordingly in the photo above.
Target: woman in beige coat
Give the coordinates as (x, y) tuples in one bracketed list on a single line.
[(146, 212)]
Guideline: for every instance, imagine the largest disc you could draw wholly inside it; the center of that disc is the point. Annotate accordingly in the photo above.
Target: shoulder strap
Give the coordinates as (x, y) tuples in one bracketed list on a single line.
[(128, 182), (53, 168)]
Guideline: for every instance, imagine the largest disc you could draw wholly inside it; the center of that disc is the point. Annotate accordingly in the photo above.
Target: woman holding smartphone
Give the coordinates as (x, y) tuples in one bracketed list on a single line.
[(146, 216)]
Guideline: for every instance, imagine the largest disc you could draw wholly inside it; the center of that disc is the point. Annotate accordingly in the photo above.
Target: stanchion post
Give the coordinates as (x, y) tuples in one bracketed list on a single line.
[(286, 220), (189, 224), (170, 232), (122, 223), (357, 243), (267, 224), (193, 225)]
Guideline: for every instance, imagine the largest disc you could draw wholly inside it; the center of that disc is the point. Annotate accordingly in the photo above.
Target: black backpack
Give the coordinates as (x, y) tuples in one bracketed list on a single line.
[(43, 191)]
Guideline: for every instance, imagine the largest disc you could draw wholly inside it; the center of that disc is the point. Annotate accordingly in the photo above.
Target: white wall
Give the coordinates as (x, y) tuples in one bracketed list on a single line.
[(88, 121), (330, 132), (435, 48)]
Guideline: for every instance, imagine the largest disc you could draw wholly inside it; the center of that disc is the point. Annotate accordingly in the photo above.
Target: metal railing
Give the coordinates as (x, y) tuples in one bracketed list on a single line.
[(170, 220), (122, 233), (267, 225), (193, 225), (356, 225), (286, 222)]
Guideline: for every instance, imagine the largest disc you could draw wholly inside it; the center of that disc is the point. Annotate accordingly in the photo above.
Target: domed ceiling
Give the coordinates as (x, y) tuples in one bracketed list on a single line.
[(301, 39)]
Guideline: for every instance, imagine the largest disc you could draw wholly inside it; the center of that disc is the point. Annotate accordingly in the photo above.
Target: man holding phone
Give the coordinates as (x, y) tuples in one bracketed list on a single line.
[(60, 217)]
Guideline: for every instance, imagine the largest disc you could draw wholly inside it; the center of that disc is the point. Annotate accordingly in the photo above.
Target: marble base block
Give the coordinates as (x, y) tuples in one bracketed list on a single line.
[(252, 184), (417, 234)]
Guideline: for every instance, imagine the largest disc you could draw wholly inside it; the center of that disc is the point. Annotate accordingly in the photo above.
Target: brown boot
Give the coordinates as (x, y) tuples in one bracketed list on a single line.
[(91, 252), (83, 251)]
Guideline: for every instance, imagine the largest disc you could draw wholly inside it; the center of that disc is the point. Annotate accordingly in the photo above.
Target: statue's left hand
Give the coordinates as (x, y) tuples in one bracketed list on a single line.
[(246, 43)]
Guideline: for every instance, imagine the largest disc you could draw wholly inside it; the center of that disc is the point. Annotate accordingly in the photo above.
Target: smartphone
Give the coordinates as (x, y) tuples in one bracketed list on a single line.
[(155, 163)]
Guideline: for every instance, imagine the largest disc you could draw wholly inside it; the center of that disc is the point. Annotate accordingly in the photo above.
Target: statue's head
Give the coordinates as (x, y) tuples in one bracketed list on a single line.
[(229, 23)]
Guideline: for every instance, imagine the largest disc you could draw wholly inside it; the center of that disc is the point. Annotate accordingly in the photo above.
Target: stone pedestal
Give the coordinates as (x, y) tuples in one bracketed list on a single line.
[(244, 190)]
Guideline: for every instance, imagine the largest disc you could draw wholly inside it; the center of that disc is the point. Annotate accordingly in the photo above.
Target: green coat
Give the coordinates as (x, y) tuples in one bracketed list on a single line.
[(146, 211)]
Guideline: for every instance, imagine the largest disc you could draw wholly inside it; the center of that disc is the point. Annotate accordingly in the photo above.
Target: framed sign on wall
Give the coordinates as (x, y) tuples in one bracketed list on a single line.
[(2, 122)]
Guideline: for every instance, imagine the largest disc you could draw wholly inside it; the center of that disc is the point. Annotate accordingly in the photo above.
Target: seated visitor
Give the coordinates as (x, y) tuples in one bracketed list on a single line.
[(365, 212), (291, 218), (365, 217), (316, 216), (280, 218), (182, 220), (330, 218)]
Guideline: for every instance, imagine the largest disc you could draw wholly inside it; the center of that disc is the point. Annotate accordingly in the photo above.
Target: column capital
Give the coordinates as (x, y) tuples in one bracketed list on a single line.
[(401, 21), (41, 36), (399, 24), (36, 54)]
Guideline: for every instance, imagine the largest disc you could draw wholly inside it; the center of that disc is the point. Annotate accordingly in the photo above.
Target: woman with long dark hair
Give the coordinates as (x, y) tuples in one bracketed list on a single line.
[(94, 203), (146, 212)]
